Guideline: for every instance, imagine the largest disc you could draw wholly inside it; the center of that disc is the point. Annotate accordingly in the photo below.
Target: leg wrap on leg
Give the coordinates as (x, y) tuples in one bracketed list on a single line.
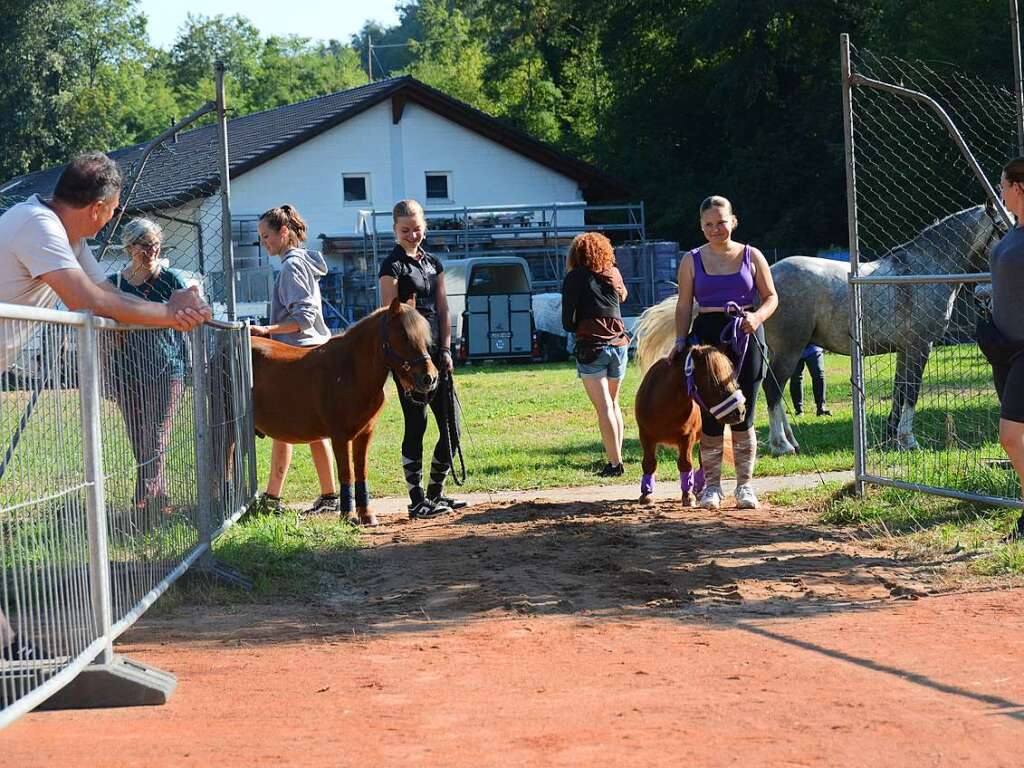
[(686, 481), (345, 498), (647, 484), (413, 469), (439, 469), (744, 451), (711, 459), (362, 494), (698, 480)]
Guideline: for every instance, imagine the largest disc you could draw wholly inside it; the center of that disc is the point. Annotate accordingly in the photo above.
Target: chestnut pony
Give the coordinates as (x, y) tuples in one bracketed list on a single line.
[(667, 413), (336, 390)]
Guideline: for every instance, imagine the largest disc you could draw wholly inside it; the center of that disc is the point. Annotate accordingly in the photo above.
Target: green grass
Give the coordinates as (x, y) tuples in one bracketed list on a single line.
[(918, 524), (531, 426)]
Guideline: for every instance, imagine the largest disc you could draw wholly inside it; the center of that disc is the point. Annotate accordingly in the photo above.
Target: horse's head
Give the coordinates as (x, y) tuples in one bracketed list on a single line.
[(406, 346), (714, 378), (985, 234)]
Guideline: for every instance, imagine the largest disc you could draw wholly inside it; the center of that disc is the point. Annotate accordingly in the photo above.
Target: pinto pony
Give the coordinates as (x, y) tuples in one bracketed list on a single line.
[(336, 390), (667, 404)]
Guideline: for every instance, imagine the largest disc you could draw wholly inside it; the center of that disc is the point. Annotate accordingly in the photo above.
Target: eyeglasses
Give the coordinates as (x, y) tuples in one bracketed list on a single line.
[(147, 246)]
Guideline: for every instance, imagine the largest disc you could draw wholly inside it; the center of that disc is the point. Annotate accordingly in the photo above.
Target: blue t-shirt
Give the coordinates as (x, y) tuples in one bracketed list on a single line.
[(1008, 284), (151, 353)]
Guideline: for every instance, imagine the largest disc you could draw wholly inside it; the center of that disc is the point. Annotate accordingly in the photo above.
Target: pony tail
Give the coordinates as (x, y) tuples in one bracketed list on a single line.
[(287, 216), (295, 223)]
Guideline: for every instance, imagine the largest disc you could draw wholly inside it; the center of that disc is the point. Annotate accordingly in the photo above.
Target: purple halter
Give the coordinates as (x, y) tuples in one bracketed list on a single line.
[(737, 340)]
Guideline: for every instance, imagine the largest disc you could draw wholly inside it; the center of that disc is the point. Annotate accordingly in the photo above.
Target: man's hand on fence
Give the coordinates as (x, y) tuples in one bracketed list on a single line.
[(188, 309), (259, 330)]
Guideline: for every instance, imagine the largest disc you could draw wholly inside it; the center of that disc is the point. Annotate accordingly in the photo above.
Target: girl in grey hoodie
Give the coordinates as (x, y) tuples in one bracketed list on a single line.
[(296, 318)]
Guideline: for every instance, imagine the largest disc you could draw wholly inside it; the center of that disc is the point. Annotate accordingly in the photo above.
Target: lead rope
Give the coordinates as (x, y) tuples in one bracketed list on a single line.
[(452, 425), (737, 313)]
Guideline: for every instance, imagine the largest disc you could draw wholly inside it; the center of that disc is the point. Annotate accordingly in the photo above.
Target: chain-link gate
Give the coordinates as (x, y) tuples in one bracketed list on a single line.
[(925, 145)]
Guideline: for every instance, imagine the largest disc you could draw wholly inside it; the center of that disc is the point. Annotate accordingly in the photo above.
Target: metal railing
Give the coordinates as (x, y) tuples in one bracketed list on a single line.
[(125, 452)]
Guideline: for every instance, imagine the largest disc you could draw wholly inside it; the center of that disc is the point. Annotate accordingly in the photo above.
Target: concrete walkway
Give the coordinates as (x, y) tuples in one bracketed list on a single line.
[(395, 505)]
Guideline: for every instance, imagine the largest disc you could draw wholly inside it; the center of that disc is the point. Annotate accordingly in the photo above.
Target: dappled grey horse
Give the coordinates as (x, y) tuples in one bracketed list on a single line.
[(814, 308)]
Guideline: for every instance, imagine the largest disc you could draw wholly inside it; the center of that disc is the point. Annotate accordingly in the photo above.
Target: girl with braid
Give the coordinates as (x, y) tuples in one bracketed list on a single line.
[(721, 273), (417, 278), (297, 318)]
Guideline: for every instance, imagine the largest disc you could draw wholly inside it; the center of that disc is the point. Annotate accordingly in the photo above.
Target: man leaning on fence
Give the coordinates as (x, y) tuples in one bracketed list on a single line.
[(44, 256)]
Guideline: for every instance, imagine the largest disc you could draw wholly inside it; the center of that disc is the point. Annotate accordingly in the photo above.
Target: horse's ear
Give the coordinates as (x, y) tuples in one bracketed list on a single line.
[(396, 307)]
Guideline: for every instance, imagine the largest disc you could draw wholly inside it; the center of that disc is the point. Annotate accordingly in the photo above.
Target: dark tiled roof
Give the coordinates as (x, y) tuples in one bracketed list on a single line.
[(186, 169)]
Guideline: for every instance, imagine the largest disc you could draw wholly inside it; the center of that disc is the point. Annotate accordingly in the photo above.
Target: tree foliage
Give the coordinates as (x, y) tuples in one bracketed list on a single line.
[(677, 98)]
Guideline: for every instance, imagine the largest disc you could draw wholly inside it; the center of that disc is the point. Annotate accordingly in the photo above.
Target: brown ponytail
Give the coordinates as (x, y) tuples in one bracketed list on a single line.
[(287, 216)]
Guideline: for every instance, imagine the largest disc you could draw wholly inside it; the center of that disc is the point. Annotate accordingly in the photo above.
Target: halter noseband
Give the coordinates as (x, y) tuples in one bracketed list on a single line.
[(404, 364), (737, 339), (722, 409)]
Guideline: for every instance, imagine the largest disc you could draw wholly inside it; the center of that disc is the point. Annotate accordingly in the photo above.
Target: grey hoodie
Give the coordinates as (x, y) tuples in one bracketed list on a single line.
[(297, 297)]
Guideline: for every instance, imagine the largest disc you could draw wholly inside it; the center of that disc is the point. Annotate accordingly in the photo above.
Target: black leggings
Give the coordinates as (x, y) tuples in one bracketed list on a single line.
[(415, 417), (1009, 380), (707, 329), (816, 365)]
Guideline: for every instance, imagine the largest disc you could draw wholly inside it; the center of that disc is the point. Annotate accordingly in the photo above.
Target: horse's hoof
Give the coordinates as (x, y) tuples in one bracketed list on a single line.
[(645, 498), (783, 450), (689, 500), (352, 518), (366, 517)]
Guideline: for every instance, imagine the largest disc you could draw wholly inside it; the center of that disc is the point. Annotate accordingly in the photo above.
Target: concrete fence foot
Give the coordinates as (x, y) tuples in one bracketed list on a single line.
[(121, 683)]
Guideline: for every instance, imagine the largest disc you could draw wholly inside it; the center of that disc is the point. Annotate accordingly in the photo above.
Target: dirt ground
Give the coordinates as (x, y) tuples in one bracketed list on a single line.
[(560, 633)]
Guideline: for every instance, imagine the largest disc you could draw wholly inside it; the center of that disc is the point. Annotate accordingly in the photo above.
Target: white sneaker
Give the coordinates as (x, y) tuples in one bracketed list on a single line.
[(711, 498), (745, 498)]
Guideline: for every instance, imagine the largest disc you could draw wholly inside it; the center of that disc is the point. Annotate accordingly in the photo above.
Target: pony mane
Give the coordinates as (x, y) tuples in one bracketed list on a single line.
[(414, 324), (717, 369), (655, 331)]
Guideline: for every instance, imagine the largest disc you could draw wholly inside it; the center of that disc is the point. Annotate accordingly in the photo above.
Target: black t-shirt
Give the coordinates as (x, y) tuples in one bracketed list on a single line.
[(416, 277)]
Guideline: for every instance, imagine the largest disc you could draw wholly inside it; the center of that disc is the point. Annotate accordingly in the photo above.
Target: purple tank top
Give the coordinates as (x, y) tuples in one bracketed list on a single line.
[(719, 290)]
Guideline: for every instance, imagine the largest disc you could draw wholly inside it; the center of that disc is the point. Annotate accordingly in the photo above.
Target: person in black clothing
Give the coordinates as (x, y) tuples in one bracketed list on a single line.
[(814, 358), (417, 278), (591, 294)]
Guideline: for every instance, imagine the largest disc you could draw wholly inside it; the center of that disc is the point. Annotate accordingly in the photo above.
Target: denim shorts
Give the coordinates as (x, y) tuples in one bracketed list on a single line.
[(610, 363)]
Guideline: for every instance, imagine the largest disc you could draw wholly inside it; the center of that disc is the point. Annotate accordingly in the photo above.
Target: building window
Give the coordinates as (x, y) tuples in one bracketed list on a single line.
[(439, 185), (356, 187)]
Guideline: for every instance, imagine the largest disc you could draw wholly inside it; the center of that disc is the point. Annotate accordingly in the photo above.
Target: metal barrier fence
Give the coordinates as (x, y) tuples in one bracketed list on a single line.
[(125, 452), (924, 149)]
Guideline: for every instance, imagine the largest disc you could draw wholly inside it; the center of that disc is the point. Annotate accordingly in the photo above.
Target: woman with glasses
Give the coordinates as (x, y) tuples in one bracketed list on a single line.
[(146, 369), (722, 275)]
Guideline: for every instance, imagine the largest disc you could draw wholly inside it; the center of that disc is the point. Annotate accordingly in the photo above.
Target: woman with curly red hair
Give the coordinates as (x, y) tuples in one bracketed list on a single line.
[(591, 295)]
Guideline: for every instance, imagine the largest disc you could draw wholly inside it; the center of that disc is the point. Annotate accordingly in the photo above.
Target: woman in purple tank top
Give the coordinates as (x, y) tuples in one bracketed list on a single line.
[(717, 274)]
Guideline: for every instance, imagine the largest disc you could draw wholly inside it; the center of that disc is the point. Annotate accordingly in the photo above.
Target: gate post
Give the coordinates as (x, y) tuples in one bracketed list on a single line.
[(856, 329)]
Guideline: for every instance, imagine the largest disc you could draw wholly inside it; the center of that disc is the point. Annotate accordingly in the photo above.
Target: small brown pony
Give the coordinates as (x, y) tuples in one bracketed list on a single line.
[(336, 390), (666, 412)]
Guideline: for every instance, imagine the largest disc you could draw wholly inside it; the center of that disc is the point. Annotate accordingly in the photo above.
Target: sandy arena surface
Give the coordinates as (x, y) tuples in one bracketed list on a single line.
[(550, 631)]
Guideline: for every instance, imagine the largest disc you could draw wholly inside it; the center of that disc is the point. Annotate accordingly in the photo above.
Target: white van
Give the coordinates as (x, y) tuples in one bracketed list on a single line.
[(490, 308)]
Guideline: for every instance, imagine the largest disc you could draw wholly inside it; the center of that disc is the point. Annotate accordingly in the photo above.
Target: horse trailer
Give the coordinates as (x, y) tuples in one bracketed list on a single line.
[(489, 301)]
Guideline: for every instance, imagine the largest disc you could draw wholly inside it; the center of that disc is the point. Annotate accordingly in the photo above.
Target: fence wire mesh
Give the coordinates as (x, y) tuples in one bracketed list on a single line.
[(929, 406), (46, 619), (175, 434), (160, 505)]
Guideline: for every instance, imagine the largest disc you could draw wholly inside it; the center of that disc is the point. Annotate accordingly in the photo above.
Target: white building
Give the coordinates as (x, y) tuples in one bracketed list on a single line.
[(335, 158)]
